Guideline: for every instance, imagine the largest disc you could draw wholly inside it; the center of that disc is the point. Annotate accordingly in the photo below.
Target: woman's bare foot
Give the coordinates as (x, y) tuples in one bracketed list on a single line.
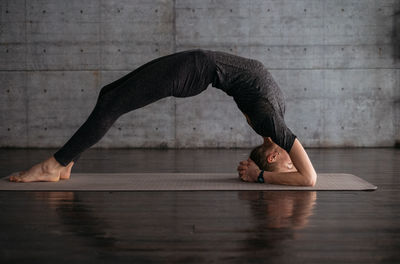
[(65, 173), (48, 170)]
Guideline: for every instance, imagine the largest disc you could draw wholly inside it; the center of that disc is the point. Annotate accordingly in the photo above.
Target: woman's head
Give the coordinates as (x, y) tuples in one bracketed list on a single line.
[(270, 157)]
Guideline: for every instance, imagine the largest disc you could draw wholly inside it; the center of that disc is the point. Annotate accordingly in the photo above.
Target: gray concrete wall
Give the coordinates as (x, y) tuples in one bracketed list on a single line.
[(337, 62)]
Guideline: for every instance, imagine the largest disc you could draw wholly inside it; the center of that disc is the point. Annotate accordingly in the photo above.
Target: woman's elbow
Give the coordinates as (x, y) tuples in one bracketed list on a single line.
[(311, 179)]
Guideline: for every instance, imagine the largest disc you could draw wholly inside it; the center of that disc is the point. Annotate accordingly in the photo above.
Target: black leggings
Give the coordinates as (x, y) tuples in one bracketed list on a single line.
[(181, 74)]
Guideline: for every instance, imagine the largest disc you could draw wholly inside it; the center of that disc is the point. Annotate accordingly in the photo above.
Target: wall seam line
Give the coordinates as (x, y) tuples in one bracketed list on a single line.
[(174, 50)]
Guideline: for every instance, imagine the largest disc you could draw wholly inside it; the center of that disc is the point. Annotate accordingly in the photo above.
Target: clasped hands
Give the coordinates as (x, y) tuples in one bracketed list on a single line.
[(248, 171)]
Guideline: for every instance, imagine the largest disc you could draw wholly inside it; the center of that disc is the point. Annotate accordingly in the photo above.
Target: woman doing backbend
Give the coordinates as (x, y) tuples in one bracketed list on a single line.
[(281, 159)]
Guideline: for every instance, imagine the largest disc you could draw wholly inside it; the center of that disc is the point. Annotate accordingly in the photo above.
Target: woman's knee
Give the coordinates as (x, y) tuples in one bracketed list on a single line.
[(104, 115), (103, 91)]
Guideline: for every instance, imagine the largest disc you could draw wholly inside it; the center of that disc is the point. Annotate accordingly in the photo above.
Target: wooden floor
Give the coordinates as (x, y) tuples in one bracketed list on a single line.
[(208, 226)]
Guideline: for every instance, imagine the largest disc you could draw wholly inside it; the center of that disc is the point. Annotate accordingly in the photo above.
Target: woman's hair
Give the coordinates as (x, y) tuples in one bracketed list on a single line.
[(259, 156)]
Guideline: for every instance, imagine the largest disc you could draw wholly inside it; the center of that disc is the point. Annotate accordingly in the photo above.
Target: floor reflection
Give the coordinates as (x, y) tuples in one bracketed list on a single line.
[(78, 218), (281, 209), (277, 216)]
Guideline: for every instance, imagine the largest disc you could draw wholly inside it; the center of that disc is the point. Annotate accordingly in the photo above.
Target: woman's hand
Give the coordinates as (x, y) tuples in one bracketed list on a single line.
[(248, 171)]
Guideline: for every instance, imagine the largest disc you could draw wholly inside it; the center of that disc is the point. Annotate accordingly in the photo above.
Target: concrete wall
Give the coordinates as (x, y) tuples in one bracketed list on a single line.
[(337, 62)]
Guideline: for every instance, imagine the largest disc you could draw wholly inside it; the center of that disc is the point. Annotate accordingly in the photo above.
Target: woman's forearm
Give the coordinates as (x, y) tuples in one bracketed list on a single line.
[(288, 178), (302, 163), (305, 174)]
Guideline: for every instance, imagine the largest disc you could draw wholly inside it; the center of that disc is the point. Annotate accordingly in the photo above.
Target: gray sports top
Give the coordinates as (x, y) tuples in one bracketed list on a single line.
[(256, 94)]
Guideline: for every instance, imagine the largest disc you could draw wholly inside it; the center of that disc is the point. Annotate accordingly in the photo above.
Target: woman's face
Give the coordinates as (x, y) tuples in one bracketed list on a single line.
[(284, 162), (279, 156)]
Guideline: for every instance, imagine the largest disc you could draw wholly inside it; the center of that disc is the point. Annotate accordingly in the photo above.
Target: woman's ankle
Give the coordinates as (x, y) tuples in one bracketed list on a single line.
[(51, 164)]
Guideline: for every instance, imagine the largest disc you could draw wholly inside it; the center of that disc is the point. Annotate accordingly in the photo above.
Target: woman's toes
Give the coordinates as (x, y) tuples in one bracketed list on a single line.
[(13, 176)]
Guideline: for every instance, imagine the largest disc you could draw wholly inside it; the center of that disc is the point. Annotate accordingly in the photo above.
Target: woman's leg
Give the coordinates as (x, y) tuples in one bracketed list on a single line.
[(92, 130), (147, 84), (60, 164), (114, 100)]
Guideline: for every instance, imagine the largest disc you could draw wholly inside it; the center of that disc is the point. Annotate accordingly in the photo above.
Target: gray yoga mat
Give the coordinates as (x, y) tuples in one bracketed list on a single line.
[(180, 182)]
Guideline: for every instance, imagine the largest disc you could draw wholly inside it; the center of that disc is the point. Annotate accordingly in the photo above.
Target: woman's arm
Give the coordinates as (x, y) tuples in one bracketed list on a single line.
[(302, 162), (305, 175)]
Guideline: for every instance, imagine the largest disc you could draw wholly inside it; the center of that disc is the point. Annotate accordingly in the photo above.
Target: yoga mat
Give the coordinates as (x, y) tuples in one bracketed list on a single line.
[(180, 182)]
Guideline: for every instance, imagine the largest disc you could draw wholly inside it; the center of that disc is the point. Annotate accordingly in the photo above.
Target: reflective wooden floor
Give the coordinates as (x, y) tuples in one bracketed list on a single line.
[(203, 227)]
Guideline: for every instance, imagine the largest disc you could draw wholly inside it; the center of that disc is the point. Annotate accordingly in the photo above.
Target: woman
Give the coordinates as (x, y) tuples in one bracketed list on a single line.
[(186, 74)]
